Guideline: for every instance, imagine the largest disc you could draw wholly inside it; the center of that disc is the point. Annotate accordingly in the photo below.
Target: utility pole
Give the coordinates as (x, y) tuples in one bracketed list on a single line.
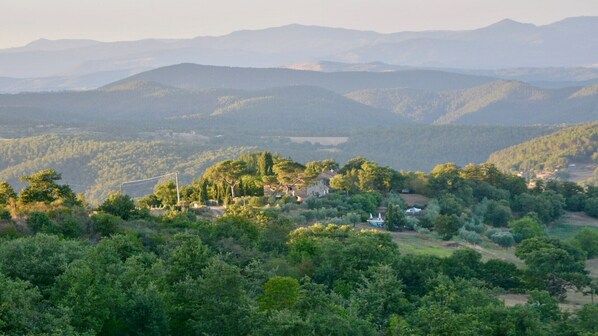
[(178, 193), (176, 178)]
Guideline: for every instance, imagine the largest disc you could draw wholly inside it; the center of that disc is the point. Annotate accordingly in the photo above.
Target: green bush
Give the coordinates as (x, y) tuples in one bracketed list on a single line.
[(470, 236), (591, 207), (105, 224), (4, 214), (503, 238), (587, 240), (40, 222)]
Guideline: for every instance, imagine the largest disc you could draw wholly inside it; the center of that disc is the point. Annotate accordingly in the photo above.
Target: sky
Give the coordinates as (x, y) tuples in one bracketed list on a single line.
[(22, 21)]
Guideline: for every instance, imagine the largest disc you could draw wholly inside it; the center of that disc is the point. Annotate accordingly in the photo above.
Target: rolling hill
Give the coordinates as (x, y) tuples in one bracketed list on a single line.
[(157, 104), (496, 103), (197, 77), (572, 148)]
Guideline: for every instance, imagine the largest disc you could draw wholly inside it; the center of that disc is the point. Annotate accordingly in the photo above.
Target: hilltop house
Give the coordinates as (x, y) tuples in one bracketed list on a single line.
[(318, 187)]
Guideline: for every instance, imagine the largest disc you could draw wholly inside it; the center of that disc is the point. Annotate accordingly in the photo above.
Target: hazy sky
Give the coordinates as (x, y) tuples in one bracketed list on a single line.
[(22, 21)]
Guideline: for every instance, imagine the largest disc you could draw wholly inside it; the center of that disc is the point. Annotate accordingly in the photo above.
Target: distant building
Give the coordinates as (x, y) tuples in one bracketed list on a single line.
[(376, 221), (318, 187), (413, 211)]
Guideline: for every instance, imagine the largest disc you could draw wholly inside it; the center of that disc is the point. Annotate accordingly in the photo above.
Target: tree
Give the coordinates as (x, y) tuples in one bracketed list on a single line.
[(587, 240), (591, 207), (221, 306), (395, 218), (6, 193), (43, 188), (501, 273), (346, 181), (289, 174), (354, 163), (526, 227), (447, 226), (314, 168), (279, 293), (497, 214), (380, 296), (228, 172), (265, 164), (553, 265), (372, 177), (119, 205), (23, 311), (464, 263), (446, 177), (39, 259), (41, 222), (166, 193)]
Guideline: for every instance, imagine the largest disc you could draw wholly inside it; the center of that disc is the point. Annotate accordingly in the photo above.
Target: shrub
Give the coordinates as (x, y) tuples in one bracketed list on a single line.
[(503, 238), (257, 201), (105, 224), (470, 236), (40, 222), (447, 226), (4, 214)]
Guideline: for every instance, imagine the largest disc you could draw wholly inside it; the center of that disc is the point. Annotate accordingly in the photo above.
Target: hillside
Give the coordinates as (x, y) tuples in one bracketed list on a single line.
[(158, 104), (96, 163), (576, 146), (99, 166), (496, 103), (197, 77)]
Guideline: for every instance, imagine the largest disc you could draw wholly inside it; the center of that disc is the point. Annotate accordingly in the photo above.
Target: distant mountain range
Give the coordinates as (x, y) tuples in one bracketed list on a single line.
[(507, 44), (553, 77)]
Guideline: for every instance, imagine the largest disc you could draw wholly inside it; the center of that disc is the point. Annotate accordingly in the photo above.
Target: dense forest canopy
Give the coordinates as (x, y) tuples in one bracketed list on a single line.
[(277, 264)]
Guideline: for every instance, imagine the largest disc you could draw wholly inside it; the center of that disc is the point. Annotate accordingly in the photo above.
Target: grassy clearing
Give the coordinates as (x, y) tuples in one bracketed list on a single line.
[(568, 225), (573, 302), (415, 243)]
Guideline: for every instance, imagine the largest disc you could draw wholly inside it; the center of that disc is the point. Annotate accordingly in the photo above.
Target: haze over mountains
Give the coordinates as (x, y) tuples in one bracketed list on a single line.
[(85, 64)]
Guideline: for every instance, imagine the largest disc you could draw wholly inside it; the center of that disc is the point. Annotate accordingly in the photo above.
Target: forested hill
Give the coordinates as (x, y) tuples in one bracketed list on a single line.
[(195, 76), (496, 103), (97, 167), (289, 107), (571, 145), (96, 163)]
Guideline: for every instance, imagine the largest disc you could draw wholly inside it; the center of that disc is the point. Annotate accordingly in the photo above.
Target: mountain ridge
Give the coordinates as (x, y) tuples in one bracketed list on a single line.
[(507, 44)]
